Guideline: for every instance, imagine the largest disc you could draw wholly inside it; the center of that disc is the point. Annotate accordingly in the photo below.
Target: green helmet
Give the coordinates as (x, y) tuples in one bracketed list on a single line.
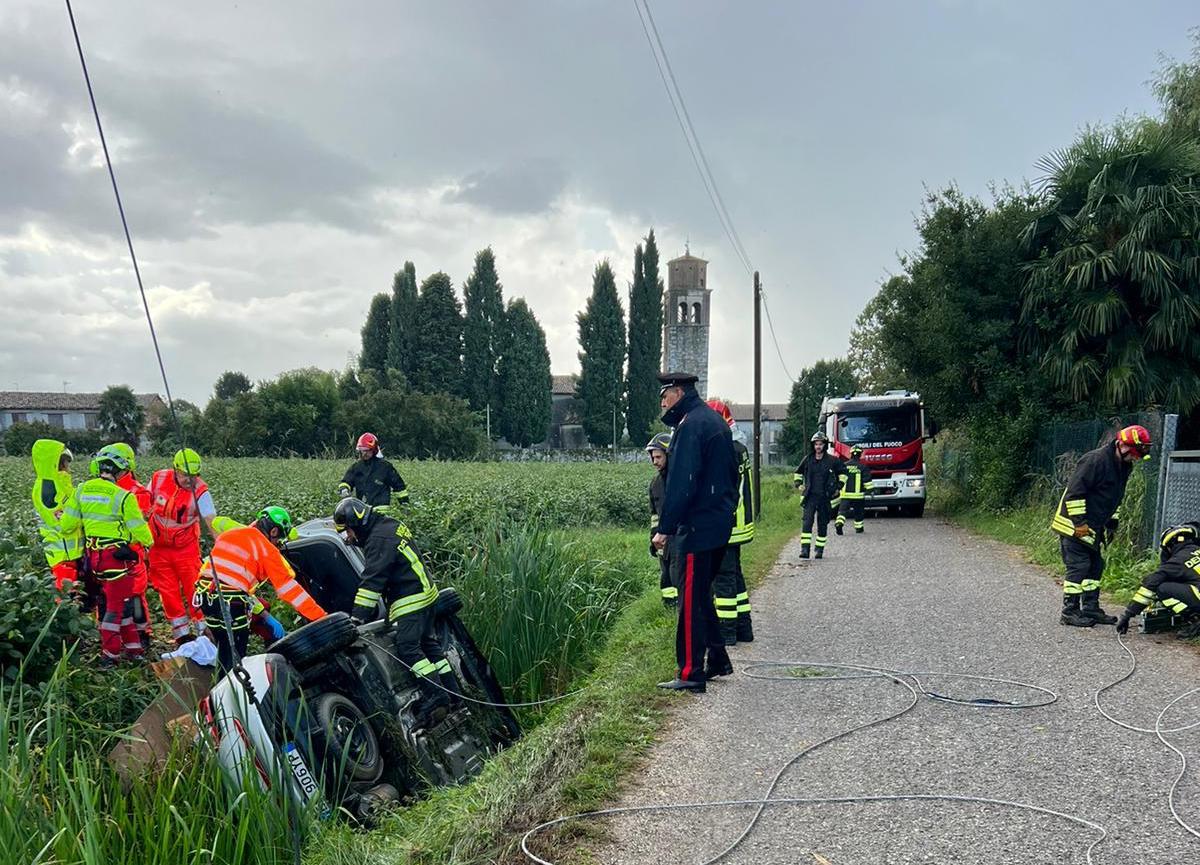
[(113, 459), (660, 442), (126, 451), (273, 515), (187, 461)]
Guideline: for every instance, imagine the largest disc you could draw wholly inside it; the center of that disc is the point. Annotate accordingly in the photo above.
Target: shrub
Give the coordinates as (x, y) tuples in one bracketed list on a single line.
[(19, 438)]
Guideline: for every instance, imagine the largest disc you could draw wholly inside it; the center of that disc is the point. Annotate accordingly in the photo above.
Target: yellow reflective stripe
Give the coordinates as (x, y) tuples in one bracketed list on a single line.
[(424, 667), (670, 592), (1145, 596), (411, 603), (1089, 585), (1070, 588)]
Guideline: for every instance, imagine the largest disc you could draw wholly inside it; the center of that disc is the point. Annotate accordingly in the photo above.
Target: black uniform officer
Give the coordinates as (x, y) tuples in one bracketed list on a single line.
[(819, 477), (697, 509), (372, 479), (394, 573), (659, 449), (1176, 583)]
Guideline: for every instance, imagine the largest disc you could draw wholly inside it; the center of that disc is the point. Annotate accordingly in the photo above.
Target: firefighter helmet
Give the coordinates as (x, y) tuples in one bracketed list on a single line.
[(819, 436), (273, 516), (723, 410), (187, 461), (1174, 536), (856, 451), (109, 460), (1138, 438), (126, 451), (660, 442), (351, 513), (367, 442)]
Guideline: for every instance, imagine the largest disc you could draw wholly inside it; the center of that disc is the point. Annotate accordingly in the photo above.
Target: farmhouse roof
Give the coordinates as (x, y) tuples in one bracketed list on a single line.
[(30, 400)]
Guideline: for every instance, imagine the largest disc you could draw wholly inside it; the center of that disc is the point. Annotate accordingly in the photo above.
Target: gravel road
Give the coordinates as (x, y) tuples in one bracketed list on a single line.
[(921, 595)]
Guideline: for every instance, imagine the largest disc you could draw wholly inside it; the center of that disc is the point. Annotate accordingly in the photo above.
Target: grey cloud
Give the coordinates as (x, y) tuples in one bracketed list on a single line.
[(529, 186)]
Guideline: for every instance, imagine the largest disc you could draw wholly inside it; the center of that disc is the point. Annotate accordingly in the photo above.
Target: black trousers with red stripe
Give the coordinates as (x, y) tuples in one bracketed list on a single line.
[(698, 630)]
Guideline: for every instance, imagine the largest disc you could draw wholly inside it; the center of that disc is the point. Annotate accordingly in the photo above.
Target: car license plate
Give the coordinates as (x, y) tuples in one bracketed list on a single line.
[(304, 778)]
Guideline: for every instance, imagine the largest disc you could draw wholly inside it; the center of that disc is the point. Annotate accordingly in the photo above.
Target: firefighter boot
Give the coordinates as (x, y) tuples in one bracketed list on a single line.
[(1093, 610), (729, 632), (820, 553), (433, 706), (804, 551), (1072, 615), (838, 523)]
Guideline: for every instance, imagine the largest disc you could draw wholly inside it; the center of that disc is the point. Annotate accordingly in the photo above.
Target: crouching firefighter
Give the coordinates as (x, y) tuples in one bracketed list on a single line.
[(394, 573), (659, 450), (242, 559), (1176, 583), (855, 489), (819, 479), (1087, 518), (113, 531), (730, 595)]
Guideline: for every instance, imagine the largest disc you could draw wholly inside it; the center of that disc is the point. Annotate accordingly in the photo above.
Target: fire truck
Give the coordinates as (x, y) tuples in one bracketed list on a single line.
[(891, 429)]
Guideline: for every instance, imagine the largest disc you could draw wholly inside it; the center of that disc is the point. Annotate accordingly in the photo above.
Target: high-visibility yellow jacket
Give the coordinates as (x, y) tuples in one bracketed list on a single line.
[(102, 513), (51, 491), (743, 517)]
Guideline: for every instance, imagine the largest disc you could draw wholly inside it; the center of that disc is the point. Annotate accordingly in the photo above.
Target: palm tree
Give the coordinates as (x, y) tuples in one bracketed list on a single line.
[(1112, 291)]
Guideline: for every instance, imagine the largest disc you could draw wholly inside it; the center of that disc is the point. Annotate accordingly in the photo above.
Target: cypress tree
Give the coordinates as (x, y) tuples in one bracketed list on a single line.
[(524, 377), (482, 328), (403, 320), (438, 357), (645, 342), (375, 335), (601, 358)]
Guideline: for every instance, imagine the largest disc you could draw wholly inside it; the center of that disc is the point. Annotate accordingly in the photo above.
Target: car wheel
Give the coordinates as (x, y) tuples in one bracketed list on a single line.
[(317, 640), (351, 748)]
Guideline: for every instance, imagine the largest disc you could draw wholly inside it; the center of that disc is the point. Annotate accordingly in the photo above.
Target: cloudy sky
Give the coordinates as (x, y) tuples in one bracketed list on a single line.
[(280, 160)]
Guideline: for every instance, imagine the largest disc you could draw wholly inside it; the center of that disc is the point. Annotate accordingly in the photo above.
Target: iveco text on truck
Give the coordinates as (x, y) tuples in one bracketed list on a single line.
[(891, 430)]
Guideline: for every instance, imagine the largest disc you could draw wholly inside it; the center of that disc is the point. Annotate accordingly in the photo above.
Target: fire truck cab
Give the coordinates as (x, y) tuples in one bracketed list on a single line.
[(891, 429)]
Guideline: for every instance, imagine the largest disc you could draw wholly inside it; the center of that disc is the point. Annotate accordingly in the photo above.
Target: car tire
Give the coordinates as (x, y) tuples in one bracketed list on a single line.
[(351, 747), (317, 640)]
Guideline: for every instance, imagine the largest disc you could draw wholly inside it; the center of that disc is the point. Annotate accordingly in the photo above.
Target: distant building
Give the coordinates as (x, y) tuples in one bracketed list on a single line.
[(686, 319), (67, 411), (565, 431), (773, 416)]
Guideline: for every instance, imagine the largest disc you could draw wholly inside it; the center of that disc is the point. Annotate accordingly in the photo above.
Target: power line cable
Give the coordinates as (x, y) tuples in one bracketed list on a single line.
[(775, 339)]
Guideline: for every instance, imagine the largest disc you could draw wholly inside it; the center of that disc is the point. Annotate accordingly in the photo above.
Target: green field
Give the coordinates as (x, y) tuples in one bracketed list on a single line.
[(560, 592)]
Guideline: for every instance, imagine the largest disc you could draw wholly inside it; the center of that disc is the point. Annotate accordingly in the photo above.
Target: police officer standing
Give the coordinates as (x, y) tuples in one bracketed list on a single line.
[(819, 477), (701, 495)]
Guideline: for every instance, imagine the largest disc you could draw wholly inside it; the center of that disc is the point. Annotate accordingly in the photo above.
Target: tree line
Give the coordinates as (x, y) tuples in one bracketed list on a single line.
[(1076, 296)]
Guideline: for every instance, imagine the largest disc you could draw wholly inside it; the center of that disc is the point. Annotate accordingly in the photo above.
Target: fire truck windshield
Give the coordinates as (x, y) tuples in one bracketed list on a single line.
[(880, 429)]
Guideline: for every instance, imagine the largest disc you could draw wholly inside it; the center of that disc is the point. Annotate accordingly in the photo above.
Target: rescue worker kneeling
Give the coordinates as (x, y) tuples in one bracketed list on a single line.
[(394, 573), (1176, 583), (242, 559), (112, 528)]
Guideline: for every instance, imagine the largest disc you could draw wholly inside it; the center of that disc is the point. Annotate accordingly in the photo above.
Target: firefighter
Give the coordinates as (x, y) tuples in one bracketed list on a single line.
[(1176, 583), (819, 477), (52, 489), (855, 489), (731, 597), (394, 573), (179, 503), (696, 517), (1087, 517), (658, 447), (372, 479), (242, 559), (128, 481), (111, 529)]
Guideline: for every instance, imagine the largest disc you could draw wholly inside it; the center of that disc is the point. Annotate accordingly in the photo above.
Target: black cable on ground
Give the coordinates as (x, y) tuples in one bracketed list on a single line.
[(910, 681)]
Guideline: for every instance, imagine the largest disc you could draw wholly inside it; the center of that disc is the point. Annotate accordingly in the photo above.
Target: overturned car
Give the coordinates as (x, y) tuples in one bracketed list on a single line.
[(332, 715)]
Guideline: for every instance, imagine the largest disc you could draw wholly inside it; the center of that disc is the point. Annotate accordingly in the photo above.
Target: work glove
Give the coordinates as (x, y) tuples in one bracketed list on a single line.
[(277, 630), (1123, 623), (1083, 530), (125, 553)]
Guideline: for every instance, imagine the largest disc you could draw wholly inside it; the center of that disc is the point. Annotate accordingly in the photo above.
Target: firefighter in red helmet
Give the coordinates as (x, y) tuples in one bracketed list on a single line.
[(372, 479), (1087, 518)]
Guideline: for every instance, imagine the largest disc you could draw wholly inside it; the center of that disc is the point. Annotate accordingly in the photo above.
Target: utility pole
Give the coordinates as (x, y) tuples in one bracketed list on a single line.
[(757, 397)]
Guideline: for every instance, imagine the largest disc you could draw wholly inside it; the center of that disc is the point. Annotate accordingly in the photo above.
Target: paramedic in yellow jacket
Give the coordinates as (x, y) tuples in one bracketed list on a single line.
[(51, 490)]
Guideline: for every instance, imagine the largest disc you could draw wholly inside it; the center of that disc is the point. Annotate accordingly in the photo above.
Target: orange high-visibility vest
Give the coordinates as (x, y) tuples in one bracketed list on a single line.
[(174, 514), (244, 559)]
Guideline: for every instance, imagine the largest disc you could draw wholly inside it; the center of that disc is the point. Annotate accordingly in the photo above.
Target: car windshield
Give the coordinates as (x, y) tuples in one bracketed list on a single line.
[(881, 429)]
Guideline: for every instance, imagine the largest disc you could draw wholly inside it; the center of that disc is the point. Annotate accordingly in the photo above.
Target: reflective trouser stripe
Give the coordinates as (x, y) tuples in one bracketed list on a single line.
[(1174, 605), (743, 602), (821, 540), (1089, 585), (423, 667), (670, 592), (858, 524), (841, 520), (726, 608), (806, 537), (443, 666), (1070, 588)]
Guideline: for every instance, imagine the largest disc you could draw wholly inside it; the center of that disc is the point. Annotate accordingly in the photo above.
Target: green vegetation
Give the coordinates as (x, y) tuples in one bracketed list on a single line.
[(645, 342)]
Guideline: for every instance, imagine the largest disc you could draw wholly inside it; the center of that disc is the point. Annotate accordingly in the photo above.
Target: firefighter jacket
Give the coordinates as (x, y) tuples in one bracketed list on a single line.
[(1093, 495), (820, 479), (373, 481), (1182, 567), (51, 491), (702, 483), (743, 515), (105, 515), (244, 558), (392, 566), (858, 483), (175, 511), (658, 490)]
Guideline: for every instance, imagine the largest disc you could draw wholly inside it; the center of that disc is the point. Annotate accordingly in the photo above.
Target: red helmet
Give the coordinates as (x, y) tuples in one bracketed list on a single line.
[(367, 441), (721, 409), (1138, 438)]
